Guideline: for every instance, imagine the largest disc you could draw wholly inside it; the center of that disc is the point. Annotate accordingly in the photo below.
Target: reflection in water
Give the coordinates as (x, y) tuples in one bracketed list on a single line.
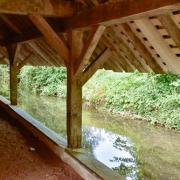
[(115, 151), (156, 150)]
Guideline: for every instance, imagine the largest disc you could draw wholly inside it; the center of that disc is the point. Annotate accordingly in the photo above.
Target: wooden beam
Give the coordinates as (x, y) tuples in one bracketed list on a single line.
[(141, 48), (60, 8), (120, 12), (89, 48), (74, 111), (20, 38), (160, 45), (171, 28), (108, 14), (38, 50), (50, 52), (95, 65), (51, 37), (76, 39), (10, 24), (13, 73), (125, 51), (23, 62), (74, 98), (126, 66)]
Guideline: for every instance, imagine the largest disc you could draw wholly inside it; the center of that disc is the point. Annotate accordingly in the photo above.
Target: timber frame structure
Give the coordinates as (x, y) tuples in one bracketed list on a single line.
[(85, 35)]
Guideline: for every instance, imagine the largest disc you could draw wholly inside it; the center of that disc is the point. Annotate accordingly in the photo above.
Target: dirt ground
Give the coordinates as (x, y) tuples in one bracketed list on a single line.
[(22, 157)]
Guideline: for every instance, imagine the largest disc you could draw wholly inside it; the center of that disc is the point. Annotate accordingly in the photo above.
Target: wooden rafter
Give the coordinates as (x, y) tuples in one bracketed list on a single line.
[(38, 50), (106, 14), (120, 12), (171, 27), (122, 60), (51, 36), (125, 50), (60, 8), (155, 38), (89, 48), (10, 24), (141, 48)]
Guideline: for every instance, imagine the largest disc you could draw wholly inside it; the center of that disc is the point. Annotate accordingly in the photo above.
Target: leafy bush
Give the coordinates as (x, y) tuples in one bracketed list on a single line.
[(48, 81), (4, 80), (153, 96)]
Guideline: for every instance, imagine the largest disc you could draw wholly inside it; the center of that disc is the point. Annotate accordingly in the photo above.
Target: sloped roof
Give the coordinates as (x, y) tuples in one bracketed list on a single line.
[(147, 43)]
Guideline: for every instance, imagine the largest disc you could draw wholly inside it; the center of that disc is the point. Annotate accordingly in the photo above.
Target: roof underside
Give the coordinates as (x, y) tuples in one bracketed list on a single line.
[(145, 43)]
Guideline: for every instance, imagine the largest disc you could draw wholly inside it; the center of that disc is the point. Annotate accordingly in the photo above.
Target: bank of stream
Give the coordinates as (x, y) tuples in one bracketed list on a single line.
[(133, 148)]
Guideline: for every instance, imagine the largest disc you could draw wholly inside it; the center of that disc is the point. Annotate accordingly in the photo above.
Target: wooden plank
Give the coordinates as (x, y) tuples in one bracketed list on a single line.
[(51, 37), (60, 8), (120, 12), (171, 28), (95, 65), (89, 48), (159, 44), (141, 48)]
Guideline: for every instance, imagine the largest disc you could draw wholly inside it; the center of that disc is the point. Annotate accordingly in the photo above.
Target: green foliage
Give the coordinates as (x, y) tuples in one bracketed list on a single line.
[(50, 81), (153, 96), (4, 80)]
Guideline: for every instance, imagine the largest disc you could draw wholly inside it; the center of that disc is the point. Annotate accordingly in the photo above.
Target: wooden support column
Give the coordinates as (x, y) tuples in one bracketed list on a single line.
[(13, 84), (79, 57), (74, 110), (13, 74), (74, 93)]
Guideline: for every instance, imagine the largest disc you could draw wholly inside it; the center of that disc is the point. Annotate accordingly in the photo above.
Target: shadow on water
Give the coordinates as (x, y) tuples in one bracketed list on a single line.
[(132, 148)]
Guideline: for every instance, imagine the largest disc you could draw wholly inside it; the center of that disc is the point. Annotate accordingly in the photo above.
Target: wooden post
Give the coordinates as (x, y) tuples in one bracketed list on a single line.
[(13, 84), (80, 53), (74, 111), (13, 74), (74, 93)]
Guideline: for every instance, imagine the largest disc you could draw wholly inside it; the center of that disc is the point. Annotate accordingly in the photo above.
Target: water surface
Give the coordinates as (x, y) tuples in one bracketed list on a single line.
[(135, 149)]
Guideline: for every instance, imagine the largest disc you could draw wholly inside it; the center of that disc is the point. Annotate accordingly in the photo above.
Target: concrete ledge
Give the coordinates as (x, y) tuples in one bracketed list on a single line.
[(94, 165), (84, 164)]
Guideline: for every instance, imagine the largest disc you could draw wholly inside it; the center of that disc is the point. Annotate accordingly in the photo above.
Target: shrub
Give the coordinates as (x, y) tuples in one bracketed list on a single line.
[(153, 96)]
